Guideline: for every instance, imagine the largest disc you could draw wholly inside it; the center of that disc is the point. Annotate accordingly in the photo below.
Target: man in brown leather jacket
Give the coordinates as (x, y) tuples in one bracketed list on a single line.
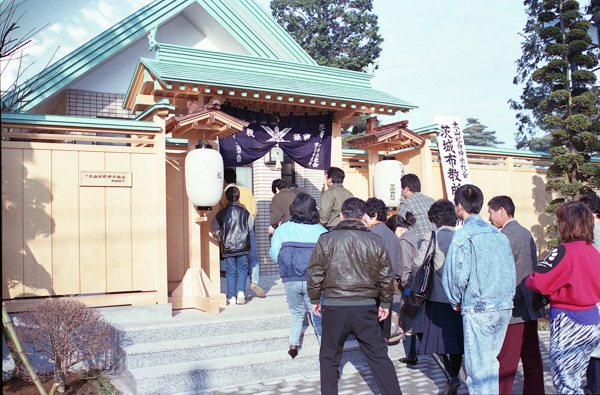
[(350, 267)]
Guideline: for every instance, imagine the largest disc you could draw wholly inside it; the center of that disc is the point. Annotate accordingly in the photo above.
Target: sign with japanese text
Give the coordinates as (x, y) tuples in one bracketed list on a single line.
[(105, 179), (452, 154)]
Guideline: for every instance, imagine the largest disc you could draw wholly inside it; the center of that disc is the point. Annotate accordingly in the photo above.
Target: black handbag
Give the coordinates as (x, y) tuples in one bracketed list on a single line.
[(539, 301), (422, 284)]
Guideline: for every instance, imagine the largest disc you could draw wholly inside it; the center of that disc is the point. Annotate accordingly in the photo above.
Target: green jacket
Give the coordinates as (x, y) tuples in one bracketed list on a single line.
[(331, 204)]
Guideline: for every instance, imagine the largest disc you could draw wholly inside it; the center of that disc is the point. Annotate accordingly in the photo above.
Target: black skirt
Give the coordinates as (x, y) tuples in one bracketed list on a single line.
[(443, 332)]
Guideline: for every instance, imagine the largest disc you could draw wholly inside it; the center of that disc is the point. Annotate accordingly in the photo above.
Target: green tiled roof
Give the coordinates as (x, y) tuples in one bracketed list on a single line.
[(250, 39), (175, 64), (78, 122), (179, 55), (91, 54)]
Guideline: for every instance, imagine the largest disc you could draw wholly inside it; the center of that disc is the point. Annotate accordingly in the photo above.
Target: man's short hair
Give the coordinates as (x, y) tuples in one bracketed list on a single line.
[(412, 182), (279, 184), (232, 194), (336, 174), (376, 208), (502, 201), (354, 208), (229, 175), (470, 198)]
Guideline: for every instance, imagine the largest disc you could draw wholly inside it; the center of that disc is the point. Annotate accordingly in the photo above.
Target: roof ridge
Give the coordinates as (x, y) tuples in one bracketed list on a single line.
[(277, 31), (175, 54), (104, 45)]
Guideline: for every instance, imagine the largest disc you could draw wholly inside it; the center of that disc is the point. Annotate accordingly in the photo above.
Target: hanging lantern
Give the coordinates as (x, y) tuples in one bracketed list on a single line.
[(386, 181), (204, 176)]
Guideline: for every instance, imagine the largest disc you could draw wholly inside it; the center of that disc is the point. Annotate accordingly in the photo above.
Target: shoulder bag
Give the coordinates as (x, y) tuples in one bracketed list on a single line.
[(422, 284)]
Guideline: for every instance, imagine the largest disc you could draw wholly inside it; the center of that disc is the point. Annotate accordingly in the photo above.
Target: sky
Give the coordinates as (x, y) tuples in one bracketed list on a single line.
[(454, 58)]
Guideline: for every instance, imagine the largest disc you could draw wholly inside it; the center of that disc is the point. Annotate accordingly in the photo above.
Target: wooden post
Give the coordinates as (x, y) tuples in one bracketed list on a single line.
[(336, 144), (201, 284)]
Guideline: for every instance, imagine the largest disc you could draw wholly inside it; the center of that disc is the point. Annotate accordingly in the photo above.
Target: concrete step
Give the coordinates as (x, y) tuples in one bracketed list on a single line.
[(167, 331), (141, 355), (201, 376)]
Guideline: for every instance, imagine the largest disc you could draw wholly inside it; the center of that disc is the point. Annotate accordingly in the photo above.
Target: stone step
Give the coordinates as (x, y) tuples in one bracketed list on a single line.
[(168, 331), (196, 349), (200, 376)]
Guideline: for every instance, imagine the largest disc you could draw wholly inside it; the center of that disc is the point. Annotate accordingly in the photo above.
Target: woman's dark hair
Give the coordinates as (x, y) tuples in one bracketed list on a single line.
[(396, 221), (575, 221), (592, 201), (442, 213), (376, 207), (304, 210), (279, 184), (470, 198)]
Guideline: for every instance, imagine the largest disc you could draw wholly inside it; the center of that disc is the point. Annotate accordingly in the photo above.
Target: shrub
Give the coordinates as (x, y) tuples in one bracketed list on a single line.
[(68, 333)]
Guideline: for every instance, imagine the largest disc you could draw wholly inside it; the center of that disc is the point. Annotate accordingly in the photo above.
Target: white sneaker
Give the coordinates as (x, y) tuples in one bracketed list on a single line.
[(232, 300), (240, 298)]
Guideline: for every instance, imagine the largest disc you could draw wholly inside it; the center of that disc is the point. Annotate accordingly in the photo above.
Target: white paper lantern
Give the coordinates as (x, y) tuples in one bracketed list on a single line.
[(204, 177), (387, 182)]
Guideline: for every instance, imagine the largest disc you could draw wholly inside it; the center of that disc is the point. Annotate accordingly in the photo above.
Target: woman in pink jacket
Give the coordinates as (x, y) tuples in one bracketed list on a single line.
[(570, 276)]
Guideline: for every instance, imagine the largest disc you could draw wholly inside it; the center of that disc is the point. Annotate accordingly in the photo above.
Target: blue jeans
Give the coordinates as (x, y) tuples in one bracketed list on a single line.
[(484, 335), (237, 271), (253, 259), (297, 298)]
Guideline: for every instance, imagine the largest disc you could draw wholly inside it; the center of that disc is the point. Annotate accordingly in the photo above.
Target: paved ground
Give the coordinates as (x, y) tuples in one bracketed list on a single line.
[(423, 378)]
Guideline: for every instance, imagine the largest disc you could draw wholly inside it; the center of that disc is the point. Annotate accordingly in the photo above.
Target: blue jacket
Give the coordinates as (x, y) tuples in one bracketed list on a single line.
[(479, 271), (291, 247)]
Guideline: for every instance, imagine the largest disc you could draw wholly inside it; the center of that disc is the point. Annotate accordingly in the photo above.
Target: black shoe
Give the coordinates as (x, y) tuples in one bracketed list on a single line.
[(451, 387), (293, 352), (409, 361)]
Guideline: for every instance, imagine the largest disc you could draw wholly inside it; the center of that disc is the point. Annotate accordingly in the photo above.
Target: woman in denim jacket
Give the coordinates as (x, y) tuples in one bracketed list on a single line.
[(479, 278), (291, 247)]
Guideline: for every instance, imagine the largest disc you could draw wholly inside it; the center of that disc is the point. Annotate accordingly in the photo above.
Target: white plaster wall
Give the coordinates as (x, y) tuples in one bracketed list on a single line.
[(72, 23), (114, 75), (67, 24)]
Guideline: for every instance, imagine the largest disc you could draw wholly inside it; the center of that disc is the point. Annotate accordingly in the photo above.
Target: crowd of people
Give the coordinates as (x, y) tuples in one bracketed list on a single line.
[(348, 265)]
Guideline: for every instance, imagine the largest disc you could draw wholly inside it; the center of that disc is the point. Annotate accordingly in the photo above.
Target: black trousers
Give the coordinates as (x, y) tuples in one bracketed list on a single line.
[(337, 323)]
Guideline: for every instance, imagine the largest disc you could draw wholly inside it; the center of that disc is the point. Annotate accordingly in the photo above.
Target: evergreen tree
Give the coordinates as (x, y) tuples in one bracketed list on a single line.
[(559, 93), (475, 133), (336, 33)]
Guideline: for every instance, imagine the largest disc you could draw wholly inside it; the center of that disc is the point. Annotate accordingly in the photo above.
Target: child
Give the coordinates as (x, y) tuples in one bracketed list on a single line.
[(232, 227)]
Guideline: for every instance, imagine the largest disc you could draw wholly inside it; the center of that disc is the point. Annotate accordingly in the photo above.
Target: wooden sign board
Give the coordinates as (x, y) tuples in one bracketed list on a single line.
[(105, 179)]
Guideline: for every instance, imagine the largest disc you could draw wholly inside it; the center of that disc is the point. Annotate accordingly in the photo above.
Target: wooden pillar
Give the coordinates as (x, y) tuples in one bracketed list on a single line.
[(161, 202), (336, 144), (201, 284), (373, 156), (426, 168)]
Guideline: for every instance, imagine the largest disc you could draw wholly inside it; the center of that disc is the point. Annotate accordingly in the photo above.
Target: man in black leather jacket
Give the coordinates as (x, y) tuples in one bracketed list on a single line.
[(232, 226), (350, 267)]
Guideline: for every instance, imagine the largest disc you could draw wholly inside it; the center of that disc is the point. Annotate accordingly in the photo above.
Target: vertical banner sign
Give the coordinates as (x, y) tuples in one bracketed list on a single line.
[(452, 154)]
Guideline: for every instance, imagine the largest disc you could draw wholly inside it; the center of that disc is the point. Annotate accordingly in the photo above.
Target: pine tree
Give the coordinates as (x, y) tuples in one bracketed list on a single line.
[(560, 96), (336, 33), (475, 133)]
